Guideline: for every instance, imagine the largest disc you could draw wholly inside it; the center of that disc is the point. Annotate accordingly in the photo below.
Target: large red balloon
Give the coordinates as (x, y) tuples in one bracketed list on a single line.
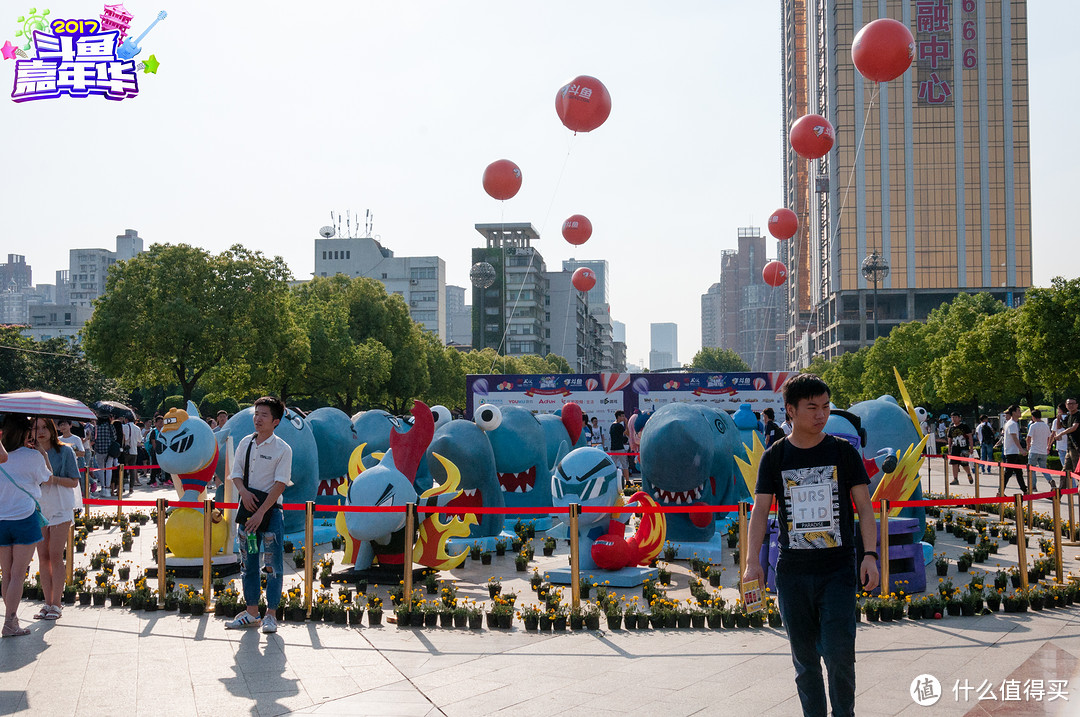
[(774, 273), (783, 224), (583, 279), (583, 104), (811, 136), (577, 229), (502, 179), (883, 50)]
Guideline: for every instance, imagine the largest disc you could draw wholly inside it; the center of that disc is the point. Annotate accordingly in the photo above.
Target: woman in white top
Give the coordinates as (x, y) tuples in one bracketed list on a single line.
[(58, 501), (21, 477)]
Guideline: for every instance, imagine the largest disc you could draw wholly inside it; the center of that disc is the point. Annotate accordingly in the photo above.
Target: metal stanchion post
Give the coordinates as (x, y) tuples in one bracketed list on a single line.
[(410, 528), (883, 539), (1072, 524), (978, 475), (70, 577), (1001, 489), (946, 476), (1021, 543), (162, 504), (208, 528), (120, 494), (1058, 567), (309, 553), (575, 557), (743, 527)]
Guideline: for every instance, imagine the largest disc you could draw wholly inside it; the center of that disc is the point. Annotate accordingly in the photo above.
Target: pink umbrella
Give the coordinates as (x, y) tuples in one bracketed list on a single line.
[(39, 403)]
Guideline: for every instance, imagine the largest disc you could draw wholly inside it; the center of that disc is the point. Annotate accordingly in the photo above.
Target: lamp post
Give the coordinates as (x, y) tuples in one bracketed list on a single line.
[(482, 275), (875, 268)]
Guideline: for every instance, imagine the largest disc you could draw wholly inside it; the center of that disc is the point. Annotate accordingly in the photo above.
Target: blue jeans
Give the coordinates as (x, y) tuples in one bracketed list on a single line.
[(986, 453), (819, 612), (268, 544)]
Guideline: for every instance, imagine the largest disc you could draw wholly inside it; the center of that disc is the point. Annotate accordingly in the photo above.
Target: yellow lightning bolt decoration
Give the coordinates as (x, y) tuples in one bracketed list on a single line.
[(907, 402), (749, 468), (902, 482), (430, 548)]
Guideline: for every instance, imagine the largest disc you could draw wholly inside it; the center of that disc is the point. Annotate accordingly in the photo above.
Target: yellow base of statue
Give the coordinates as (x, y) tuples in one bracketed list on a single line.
[(184, 534)]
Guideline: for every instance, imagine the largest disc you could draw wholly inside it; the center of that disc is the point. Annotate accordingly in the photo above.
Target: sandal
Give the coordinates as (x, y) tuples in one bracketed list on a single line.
[(43, 612), (54, 613), (12, 629)]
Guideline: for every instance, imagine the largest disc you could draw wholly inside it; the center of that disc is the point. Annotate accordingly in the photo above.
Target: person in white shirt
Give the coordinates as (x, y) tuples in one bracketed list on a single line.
[(597, 438), (262, 470), (1012, 447), (1061, 422), (131, 437), (1038, 445)]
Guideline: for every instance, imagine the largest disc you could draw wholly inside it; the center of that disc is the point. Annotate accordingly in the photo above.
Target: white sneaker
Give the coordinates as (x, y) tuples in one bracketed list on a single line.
[(244, 619), (269, 623)]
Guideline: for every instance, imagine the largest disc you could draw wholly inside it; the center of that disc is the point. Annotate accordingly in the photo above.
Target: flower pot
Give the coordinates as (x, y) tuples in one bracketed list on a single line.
[(99, 599), (476, 622), (492, 621), (521, 565), (68, 598), (967, 610), (505, 620), (671, 620), (915, 612), (872, 615), (698, 621), (461, 621), (1037, 603), (416, 618), (592, 622), (404, 619), (84, 598), (757, 619), (714, 579), (485, 559), (953, 609), (682, 620), (715, 620), (559, 624), (728, 620), (577, 622), (500, 549), (943, 570), (742, 620), (775, 620), (431, 619), (296, 614), (374, 617), (431, 588), (341, 617), (446, 619), (532, 624), (494, 590), (198, 609), (151, 605), (185, 608), (614, 622), (548, 552), (993, 605)]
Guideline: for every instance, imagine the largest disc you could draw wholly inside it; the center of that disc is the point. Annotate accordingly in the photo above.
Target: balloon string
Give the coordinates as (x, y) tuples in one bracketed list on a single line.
[(851, 174), (532, 255)]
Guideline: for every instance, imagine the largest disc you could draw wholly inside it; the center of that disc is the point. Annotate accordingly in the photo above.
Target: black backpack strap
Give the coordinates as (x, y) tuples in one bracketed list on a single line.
[(247, 461)]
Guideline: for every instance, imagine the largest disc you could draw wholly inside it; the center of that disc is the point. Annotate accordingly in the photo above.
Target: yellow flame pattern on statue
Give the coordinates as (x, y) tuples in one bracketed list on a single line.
[(902, 482), (749, 468), (907, 402), (653, 529), (430, 548)]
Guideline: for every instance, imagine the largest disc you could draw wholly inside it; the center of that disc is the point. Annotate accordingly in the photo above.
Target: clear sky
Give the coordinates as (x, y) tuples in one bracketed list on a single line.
[(265, 117)]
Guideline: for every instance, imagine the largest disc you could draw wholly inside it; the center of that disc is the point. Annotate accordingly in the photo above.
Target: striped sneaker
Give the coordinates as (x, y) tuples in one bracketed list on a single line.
[(244, 619)]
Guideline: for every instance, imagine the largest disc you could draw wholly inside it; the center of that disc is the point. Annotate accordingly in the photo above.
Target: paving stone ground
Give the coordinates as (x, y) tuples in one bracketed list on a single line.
[(105, 661)]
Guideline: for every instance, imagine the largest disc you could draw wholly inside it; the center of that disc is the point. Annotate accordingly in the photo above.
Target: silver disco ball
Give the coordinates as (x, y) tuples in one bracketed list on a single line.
[(482, 275)]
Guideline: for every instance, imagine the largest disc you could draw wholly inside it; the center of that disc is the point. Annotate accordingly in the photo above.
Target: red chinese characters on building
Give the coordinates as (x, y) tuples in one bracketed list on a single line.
[(933, 48)]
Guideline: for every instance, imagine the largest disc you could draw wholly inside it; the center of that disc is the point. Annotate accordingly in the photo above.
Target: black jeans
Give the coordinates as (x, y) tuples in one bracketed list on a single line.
[(819, 611), (1017, 460)]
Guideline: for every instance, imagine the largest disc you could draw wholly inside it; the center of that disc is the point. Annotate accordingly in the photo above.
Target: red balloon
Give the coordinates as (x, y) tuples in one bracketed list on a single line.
[(783, 224), (583, 104), (583, 279), (811, 136), (502, 179), (577, 229), (883, 50), (774, 273)]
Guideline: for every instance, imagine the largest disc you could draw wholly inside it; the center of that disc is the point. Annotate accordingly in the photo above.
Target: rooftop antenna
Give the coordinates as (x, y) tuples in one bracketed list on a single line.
[(339, 224), (348, 223)]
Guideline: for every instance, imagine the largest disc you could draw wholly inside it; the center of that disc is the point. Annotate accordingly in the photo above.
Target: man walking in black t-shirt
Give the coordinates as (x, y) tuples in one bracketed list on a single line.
[(617, 437), (814, 478), (959, 436), (773, 432)]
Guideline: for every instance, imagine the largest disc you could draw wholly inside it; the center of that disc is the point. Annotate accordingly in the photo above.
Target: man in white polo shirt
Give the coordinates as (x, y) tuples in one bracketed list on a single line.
[(262, 470)]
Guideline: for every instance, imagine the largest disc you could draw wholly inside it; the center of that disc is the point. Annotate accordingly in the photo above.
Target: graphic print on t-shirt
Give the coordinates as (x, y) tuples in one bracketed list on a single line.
[(812, 503)]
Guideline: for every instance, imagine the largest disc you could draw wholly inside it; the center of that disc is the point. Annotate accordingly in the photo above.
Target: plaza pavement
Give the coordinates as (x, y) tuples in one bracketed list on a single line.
[(105, 661)]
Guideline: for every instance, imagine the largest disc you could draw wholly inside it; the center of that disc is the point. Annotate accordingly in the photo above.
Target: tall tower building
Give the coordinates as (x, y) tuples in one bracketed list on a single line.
[(664, 349), (929, 174), (512, 311)]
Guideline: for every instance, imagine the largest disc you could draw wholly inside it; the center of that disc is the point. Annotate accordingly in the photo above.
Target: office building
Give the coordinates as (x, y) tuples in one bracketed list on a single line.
[(599, 306), (419, 280), (741, 312), (572, 330), (88, 268), (458, 318), (664, 349), (929, 174), (16, 273), (510, 315)]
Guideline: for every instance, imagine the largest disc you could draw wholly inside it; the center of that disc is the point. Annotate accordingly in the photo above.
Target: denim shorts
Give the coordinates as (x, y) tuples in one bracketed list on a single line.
[(25, 531)]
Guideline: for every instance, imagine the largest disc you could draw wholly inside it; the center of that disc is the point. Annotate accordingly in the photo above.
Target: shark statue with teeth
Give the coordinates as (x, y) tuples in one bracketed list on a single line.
[(464, 444), (521, 460), (688, 458)]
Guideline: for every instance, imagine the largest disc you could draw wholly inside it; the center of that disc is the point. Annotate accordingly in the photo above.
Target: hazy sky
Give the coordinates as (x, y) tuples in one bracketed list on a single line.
[(265, 117)]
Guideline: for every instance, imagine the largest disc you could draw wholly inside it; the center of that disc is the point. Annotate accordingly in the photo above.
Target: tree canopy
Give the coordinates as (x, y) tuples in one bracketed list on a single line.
[(718, 360)]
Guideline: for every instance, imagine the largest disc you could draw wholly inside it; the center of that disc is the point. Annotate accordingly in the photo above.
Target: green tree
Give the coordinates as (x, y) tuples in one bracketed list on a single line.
[(56, 365), (982, 366), (176, 312), (17, 367), (446, 371), (718, 360), (1047, 332)]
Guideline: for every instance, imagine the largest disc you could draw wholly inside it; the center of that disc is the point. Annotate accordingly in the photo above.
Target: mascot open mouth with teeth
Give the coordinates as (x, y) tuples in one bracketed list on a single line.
[(381, 536), (520, 458)]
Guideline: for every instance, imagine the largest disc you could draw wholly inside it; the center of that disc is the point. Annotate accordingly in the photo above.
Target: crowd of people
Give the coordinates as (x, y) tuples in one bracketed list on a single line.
[(1021, 440)]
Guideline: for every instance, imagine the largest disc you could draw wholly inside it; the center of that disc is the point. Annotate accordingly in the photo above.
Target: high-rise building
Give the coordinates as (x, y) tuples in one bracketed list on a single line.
[(511, 312), (930, 172), (458, 318), (664, 349), (88, 268), (572, 330), (599, 306), (741, 311), (16, 272), (419, 280)]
